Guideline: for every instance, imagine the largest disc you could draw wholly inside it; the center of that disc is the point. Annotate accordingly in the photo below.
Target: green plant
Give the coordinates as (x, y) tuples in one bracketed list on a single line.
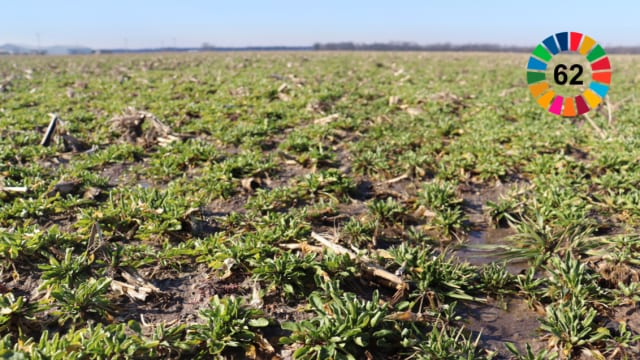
[(496, 279), (448, 343), (308, 150), (386, 211), (441, 199), (571, 325), (371, 162), (277, 199), (78, 303), (70, 271), (212, 195), (530, 285), (359, 232), (25, 244), (229, 324), (331, 182), (569, 278), (341, 329), (449, 221), (288, 274), (623, 341), (436, 276), (543, 354), (439, 195), (505, 211), (537, 240), (17, 314)]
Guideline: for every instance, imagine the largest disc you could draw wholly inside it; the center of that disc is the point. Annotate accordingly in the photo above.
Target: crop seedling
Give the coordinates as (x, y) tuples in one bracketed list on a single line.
[(341, 330), (571, 326), (387, 211), (17, 314), (88, 298), (288, 273), (229, 324)]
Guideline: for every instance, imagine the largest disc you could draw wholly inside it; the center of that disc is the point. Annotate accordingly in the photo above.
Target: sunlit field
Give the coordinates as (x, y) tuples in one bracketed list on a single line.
[(313, 205)]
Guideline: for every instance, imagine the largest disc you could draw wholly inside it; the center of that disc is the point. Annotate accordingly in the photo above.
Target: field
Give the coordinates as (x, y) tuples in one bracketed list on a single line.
[(313, 205)]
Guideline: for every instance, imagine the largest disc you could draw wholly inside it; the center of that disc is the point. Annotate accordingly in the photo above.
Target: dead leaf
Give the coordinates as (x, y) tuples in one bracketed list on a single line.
[(135, 286), (327, 119), (226, 267), (413, 111), (423, 211), (250, 184), (91, 193), (264, 344), (239, 92), (129, 124), (256, 299)]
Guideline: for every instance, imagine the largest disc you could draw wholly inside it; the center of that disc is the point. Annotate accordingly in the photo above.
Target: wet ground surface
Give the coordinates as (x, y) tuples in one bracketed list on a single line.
[(500, 321), (475, 252)]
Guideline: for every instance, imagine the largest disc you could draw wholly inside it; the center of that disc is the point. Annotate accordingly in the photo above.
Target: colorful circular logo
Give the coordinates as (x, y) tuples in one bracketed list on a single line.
[(576, 97)]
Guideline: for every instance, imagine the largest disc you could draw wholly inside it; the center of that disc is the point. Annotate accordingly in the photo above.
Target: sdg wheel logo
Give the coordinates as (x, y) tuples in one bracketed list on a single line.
[(578, 68)]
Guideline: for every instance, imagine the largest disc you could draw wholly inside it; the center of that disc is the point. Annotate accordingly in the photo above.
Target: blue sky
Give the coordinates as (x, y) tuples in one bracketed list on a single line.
[(117, 23)]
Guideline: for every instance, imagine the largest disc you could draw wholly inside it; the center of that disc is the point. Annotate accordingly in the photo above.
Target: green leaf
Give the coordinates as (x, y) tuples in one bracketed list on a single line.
[(261, 322), (316, 302), (352, 332), (358, 340), (403, 305), (301, 352), (152, 344), (288, 289), (376, 318), (135, 326), (336, 339), (290, 325), (383, 333), (512, 348)]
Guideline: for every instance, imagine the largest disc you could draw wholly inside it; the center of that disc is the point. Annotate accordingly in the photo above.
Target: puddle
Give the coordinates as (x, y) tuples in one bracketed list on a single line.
[(478, 257), (517, 324), (475, 200)]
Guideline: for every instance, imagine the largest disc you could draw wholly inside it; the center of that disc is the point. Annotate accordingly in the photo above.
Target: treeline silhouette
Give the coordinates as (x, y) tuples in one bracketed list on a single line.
[(411, 46)]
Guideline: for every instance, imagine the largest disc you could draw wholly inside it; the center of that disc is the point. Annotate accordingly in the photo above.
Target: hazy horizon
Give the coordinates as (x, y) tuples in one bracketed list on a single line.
[(121, 24)]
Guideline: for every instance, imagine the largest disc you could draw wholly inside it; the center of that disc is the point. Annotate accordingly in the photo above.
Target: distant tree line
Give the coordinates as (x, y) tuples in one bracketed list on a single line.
[(411, 46)]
